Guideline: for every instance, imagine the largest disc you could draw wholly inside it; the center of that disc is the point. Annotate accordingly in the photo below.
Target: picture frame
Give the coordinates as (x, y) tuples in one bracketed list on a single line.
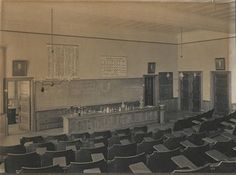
[(19, 67), (151, 67), (220, 63)]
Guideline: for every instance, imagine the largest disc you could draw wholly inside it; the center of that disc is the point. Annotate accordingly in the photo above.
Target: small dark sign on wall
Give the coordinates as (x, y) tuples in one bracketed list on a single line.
[(220, 63), (19, 67), (151, 67)]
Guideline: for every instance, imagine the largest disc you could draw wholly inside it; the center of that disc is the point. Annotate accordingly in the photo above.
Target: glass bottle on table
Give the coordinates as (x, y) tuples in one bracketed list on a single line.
[(122, 106)]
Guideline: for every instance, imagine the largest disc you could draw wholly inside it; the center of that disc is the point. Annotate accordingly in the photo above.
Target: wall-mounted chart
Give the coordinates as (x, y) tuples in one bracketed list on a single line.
[(63, 61), (113, 66)]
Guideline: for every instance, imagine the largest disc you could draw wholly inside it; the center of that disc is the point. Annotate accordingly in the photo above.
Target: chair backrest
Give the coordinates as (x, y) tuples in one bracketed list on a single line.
[(140, 128), (126, 131), (15, 162), (207, 126), (173, 143), (216, 123), (232, 115), (48, 145), (204, 169), (138, 137), (225, 147), (62, 145), (105, 134), (207, 114), (196, 138), (115, 139), (92, 150), (60, 137), (100, 140), (121, 164), (84, 135), (147, 147), (181, 124), (47, 169), (122, 150), (34, 139), (79, 167), (83, 155), (197, 154), (161, 161), (160, 133), (14, 149), (225, 167), (47, 158)]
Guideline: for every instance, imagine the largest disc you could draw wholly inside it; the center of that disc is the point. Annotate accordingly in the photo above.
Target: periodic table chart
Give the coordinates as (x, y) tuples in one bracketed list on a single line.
[(63, 61), (113, 66)]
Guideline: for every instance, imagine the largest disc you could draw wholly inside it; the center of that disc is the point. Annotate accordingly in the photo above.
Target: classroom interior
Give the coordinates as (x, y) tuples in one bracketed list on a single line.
[(117, 86)]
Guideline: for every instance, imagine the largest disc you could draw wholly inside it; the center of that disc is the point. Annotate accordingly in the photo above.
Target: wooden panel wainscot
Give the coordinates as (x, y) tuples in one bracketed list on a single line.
[(110, 121)]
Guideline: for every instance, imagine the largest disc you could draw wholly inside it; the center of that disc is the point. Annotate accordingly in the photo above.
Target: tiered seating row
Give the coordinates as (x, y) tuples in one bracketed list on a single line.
[(198, 147)]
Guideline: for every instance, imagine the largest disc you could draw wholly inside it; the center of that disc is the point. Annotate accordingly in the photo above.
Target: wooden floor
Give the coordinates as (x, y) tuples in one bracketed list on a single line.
[(15, 133)]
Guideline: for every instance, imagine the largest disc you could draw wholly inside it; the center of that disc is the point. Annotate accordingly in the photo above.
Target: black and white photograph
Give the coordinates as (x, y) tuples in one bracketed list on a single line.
[(19, 68), (220, 63), (117, 86)]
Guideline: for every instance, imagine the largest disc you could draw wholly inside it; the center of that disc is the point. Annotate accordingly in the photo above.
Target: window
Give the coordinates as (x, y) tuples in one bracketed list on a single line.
[(165, 85), (63, 61)]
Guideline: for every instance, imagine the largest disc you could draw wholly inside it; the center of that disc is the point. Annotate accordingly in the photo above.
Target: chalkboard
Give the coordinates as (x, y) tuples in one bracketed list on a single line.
[(87, 92)]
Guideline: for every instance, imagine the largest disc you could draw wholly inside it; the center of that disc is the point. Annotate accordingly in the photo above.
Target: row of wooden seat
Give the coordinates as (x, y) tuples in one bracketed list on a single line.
[(119, 164), (211, 134), (118, 157), (59, 142), (187, 122), (164, 158), (127, 132)]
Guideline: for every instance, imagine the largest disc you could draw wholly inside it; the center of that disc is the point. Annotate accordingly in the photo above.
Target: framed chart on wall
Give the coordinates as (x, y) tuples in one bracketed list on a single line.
[(19, 67), (114, 66), (220, 63), (151, 67)]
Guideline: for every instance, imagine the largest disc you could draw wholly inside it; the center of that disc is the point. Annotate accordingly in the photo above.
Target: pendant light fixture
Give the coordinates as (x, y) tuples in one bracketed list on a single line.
[(181, 42), (52, 49)]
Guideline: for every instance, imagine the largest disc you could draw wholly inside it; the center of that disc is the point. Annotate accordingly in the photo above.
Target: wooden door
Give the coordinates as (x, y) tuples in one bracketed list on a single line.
[(220, 94), (185, 92), (165, 85), (190, 91), (24, 104), (196, 91), (149, 90)]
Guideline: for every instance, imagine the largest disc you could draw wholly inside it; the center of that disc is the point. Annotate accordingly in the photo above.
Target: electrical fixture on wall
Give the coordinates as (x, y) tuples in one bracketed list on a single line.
[(181, 43), (52, 50), (181, 75), (45, 84), (63, 60), (168, 75), (214, 2)]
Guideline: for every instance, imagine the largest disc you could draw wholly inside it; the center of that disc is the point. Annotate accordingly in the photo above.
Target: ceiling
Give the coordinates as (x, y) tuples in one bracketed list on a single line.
[(147, 16), (159, 17), (222, 11)]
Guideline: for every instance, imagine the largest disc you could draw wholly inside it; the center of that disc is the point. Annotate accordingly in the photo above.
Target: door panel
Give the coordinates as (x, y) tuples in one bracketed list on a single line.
[(221, 92), (190, 91), (24, 103), (196, 92), (149, 87), (185, 94)]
